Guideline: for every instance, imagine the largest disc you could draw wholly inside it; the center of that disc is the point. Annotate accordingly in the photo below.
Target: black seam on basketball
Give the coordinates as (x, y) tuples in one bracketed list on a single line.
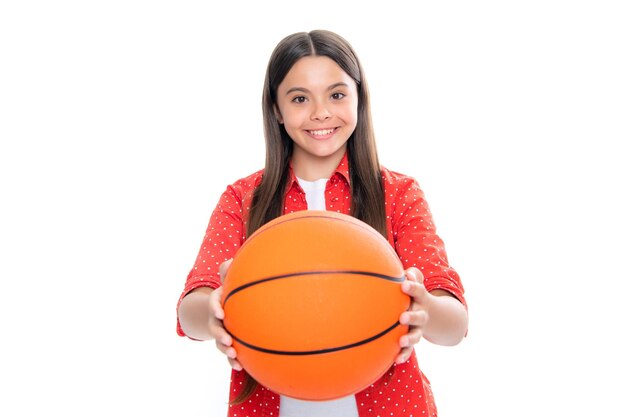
[(295, 274), (318, 351)]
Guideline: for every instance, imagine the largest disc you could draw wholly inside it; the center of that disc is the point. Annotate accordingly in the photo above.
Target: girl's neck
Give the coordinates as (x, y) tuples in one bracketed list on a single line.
[(311, 167)]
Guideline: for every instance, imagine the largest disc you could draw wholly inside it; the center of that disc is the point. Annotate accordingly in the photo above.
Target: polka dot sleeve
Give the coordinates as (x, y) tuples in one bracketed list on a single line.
[(415, 237), (223, 237)]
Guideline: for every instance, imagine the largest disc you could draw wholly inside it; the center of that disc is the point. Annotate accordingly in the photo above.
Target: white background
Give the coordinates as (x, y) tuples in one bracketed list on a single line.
[(121, 122)]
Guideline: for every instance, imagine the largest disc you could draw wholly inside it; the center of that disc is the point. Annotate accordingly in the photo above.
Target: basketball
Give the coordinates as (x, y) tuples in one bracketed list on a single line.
[(312, 300)]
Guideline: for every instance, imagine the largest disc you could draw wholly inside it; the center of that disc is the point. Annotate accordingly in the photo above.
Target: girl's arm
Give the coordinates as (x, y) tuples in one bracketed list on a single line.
[(200, 315)]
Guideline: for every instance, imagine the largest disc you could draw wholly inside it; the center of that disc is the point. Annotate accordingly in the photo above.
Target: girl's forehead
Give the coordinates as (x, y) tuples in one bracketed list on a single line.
[(312, 72)]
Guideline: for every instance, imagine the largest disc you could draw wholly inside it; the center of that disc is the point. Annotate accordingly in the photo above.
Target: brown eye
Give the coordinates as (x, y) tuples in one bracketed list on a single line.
[(337, 96), (299, 99)]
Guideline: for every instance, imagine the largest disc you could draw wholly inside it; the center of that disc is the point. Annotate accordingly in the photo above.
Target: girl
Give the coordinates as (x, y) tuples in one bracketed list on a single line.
[(321, 154)]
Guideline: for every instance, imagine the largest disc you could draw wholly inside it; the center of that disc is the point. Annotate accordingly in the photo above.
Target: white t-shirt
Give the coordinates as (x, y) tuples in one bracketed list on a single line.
[(314, 192), (346, 406), (342, 407)]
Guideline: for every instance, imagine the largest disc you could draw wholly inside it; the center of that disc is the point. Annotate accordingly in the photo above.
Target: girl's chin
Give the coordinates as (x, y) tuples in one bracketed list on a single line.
[(320, 152)]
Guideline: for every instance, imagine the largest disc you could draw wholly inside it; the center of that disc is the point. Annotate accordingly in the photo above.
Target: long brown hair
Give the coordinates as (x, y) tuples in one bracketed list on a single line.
[(368, 196)]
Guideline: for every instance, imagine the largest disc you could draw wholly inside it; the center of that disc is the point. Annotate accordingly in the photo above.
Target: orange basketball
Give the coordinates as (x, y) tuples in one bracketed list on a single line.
[(312, 301)]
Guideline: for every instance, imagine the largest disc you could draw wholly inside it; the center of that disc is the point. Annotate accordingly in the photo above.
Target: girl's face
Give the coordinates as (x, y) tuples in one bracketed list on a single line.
[(317, 103)]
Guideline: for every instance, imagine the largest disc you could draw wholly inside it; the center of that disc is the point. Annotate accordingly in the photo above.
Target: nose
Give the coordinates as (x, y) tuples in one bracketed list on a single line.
[(320, 113)]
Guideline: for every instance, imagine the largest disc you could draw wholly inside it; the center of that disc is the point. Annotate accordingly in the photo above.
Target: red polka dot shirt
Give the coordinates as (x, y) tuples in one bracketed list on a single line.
[(404, 390)]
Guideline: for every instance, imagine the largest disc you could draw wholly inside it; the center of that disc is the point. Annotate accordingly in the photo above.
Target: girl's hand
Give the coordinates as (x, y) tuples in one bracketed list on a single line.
[(417, 315), (223, 340)]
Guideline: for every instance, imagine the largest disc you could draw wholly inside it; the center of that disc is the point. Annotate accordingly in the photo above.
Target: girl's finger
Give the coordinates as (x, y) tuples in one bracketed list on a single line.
[(215, 303), (226, 350), (415, 318), (235, 364), (415, 290), (224, 269), (411, 338), (404, 355), (219, 333), (414, 274)]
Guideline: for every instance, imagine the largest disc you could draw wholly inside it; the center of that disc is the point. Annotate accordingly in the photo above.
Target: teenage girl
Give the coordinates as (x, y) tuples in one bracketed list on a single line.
[(321, 154)]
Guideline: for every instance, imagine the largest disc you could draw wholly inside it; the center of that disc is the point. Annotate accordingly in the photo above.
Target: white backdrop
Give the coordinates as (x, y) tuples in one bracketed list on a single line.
[(121, 122)]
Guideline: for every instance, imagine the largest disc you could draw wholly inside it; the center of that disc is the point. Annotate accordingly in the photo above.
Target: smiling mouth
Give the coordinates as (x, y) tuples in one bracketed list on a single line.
[(322, 133)]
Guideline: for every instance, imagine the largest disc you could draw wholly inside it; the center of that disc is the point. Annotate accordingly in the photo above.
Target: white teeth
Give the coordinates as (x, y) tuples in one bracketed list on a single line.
[(322, 132)]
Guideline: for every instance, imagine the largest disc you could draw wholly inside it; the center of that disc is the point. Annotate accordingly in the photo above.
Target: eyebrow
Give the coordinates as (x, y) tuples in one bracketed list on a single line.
[(304, 90)]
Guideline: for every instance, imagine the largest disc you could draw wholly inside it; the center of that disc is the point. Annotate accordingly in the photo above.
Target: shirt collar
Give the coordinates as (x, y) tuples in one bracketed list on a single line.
[(341, 170)]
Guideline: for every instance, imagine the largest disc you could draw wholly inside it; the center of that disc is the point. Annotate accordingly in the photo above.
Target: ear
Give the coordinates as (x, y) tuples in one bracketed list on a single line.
[(279, 116)]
